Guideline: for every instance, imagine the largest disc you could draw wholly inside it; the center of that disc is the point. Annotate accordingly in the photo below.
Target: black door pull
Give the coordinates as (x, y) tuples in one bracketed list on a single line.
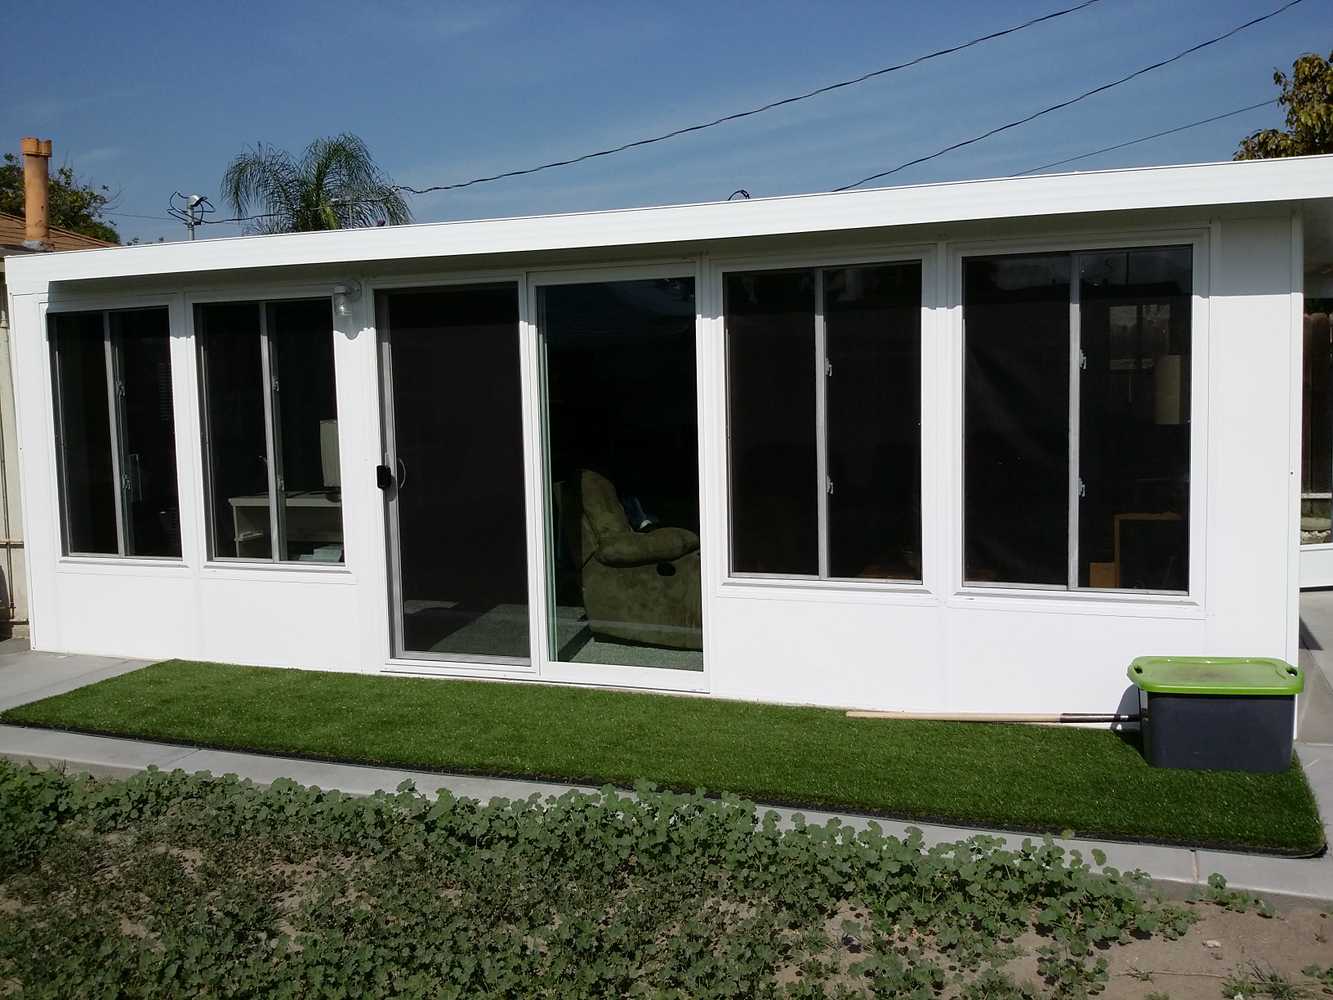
[(383, 477)]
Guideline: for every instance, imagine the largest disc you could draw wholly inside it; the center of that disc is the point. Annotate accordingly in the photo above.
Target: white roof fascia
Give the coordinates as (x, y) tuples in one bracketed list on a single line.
[(1229, 183)]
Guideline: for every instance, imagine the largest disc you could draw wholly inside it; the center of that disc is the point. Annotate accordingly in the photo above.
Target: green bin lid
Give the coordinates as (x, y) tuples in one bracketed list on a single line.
[(1221, 675)]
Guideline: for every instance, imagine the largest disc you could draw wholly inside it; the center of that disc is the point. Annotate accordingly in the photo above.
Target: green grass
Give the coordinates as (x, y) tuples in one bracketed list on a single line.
[(1041, 779)]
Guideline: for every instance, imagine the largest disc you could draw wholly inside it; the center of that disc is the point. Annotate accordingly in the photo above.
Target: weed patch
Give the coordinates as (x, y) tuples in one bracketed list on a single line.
[(168, 884)]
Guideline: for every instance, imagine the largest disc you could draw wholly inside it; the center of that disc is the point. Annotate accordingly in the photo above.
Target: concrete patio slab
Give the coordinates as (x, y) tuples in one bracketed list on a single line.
[(27, 676), (1317, 628)]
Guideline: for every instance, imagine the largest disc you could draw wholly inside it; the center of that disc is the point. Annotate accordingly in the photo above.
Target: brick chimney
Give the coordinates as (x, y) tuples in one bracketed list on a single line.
[(37, 226)]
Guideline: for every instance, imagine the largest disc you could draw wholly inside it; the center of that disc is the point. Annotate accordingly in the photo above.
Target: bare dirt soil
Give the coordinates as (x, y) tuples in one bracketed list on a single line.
[(1223, 953)]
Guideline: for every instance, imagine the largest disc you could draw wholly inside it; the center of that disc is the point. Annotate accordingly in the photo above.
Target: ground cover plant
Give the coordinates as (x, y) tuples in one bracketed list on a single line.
[(167, 884), (169, 881), (1040, 779)]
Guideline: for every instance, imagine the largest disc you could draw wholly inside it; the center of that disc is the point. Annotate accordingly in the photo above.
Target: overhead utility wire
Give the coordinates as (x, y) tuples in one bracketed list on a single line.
[(699, 127), (1146, 138), (1073, 100), (1021, 173), (131, 215), (722, 120)]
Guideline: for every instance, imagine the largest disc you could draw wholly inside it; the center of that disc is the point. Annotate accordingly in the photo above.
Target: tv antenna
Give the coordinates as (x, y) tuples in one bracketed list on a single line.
[(189, 209)]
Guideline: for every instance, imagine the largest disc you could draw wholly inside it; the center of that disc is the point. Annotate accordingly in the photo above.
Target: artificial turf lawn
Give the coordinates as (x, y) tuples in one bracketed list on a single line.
[(1036, 778)]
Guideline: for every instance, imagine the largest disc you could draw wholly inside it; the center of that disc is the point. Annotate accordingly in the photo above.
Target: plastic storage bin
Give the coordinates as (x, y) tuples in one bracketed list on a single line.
[(1217, 713)]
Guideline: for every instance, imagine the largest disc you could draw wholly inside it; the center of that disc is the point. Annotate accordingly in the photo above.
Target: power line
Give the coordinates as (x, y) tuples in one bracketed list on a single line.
[(1073, 100), (861, 79), (699, 127), (1021, 173), (1146, 138), (249, 218)]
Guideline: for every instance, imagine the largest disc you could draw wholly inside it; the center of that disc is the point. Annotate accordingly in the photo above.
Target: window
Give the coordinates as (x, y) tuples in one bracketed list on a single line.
[(1077, 420), (824, 421), (1317, 426), (623, 553), (454, 437), (270, 431), (115, 433)]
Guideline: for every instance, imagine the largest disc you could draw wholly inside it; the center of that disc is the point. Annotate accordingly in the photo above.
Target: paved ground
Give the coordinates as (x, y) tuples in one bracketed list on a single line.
[(26, 676), (1316, 705)]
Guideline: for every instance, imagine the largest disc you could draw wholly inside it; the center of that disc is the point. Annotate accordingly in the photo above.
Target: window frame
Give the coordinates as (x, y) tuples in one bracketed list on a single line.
[(1199, 241), (1326, 417), (377, 295), (261, 300), (112, 354), (926, 257)]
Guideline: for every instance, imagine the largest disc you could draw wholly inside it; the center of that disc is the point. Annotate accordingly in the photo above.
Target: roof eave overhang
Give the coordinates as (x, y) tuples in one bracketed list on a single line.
[(1211, 184)]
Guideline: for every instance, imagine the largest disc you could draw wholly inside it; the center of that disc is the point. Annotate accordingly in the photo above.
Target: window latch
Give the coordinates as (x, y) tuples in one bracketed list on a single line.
[(828, 368), (1082, 488), (828, 485), (1082, 361)]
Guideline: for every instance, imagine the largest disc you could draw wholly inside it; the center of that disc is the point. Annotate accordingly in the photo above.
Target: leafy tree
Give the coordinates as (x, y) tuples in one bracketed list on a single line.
[(71, 203), (1308, 97), (335, 184)]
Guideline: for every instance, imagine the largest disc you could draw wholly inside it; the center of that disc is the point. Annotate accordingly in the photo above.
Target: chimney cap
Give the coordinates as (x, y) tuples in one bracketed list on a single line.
[(32, 146)]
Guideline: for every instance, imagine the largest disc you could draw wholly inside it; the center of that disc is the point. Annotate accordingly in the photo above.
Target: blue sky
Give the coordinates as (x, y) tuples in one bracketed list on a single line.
[(150, 98)]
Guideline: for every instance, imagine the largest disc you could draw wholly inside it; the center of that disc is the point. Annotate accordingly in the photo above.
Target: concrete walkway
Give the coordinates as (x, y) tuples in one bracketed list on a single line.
[(1316, 704), (26, 677)]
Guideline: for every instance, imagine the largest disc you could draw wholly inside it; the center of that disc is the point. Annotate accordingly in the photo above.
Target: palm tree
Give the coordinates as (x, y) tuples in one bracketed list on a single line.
[(334, 185)]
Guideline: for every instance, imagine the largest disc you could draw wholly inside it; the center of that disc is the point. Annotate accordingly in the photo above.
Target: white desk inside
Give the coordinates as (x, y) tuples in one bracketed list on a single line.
[(313, 519)]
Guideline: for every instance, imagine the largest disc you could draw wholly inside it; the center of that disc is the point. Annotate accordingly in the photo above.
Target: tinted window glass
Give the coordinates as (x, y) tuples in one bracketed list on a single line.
[(306, 417), (1134, 426), (624, 472), (83, 432), (872, 324), (235, 445), (771, 384), (458, 437), (148, 432), (1016, 419)]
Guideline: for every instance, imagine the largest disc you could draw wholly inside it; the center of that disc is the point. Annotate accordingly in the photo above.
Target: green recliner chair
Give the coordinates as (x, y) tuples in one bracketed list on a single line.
[(637, 587)]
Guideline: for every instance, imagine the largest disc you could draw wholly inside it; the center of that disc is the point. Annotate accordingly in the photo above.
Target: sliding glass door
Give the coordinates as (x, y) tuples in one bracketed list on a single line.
[(622, 472), (453, 473), (615, 387)]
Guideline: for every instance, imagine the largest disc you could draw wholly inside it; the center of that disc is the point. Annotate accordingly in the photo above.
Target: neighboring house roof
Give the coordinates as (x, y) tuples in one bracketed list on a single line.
[(11, 238)]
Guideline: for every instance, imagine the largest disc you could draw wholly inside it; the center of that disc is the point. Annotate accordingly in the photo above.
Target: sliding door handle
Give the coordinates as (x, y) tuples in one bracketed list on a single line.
[(383, 477)]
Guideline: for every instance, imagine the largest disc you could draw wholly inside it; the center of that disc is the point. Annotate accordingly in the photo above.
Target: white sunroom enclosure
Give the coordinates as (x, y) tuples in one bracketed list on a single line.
[(956, 447)]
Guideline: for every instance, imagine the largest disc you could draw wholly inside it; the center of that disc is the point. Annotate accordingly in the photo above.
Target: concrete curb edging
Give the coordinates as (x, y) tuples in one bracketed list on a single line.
[(1177, 871)]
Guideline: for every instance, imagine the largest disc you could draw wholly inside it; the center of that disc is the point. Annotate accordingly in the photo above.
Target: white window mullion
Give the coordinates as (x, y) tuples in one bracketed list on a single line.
[(389, 455), (1076, 486), (113, 403), (62, 469), (822, 377), (271, 442)]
